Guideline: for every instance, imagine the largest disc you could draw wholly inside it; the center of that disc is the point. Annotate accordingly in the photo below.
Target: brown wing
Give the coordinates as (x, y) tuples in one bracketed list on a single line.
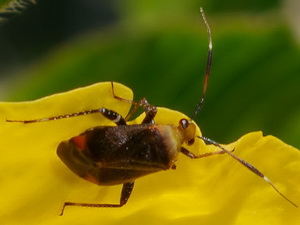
[(115, 155)]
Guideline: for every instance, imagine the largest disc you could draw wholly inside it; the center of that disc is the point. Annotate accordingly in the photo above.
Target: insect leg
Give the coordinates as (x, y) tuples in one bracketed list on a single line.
[(125, 194), (248, 166), (193, 156), (109, 114), (82, 113), (113, 116), (149, 109), (150, 114)]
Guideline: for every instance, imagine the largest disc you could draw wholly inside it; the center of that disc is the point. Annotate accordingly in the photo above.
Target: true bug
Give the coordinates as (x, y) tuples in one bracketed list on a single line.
[(111, 155)]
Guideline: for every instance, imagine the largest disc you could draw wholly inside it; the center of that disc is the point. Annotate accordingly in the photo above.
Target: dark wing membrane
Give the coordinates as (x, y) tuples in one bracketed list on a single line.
[(77, 162), (107, 173), (115, 155), (138, 147)]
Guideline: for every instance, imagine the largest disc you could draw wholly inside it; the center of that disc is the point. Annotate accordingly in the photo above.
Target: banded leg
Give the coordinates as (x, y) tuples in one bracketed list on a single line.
[(125, 194), (193, 156), (113, 116), (149, 110), (109, 114), (82, 113)]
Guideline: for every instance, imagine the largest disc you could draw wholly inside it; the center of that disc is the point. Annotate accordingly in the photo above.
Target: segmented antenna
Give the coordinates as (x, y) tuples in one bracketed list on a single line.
[(200, 105), (208, 66), (248, 166)]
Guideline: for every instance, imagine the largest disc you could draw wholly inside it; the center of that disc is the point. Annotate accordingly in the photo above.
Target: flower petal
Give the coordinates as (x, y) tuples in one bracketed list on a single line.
[(34, 183)]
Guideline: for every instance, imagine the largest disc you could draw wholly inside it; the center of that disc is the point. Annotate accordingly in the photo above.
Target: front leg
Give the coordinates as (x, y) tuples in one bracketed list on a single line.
[(193, 156)]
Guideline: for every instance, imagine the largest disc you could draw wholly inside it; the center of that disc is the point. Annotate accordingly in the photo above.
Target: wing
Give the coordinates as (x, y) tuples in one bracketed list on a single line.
[(115, 155)]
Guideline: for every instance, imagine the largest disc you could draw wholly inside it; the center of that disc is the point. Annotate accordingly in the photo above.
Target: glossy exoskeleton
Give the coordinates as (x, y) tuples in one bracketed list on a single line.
[(111, 155)]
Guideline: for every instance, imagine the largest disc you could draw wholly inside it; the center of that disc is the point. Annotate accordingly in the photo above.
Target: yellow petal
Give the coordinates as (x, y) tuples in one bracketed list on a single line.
[(34, 183)]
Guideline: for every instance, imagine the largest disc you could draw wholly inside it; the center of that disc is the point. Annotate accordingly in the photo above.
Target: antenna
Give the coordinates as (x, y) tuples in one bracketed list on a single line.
[(248, 166), (208, 65)]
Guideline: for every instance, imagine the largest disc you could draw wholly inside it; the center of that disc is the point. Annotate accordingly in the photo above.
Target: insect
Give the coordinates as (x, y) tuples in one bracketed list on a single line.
[(120, 154)]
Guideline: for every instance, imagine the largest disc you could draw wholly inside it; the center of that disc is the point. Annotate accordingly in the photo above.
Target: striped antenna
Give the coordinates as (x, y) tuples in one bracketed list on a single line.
[(208, 65)]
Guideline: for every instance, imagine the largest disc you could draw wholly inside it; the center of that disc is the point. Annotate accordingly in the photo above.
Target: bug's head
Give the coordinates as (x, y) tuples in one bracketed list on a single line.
[(188, 131)]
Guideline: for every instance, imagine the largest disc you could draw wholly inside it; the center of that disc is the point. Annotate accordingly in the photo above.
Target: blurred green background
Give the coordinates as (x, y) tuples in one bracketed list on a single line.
[(159, 49)]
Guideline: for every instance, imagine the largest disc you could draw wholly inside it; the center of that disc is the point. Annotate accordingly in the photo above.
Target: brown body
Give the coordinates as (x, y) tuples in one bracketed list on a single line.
[(110, 155)]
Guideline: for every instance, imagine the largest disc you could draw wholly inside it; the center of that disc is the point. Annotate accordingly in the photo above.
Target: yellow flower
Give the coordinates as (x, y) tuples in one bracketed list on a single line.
[(34, 183)]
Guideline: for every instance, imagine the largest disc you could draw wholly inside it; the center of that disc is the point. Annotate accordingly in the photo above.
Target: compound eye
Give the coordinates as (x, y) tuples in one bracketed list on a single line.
[(191, 141), (184, 123)]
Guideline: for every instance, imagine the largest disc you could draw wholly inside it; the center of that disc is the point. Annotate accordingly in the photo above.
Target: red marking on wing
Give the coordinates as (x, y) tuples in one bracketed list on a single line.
[(91, 178), (80, 141)]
